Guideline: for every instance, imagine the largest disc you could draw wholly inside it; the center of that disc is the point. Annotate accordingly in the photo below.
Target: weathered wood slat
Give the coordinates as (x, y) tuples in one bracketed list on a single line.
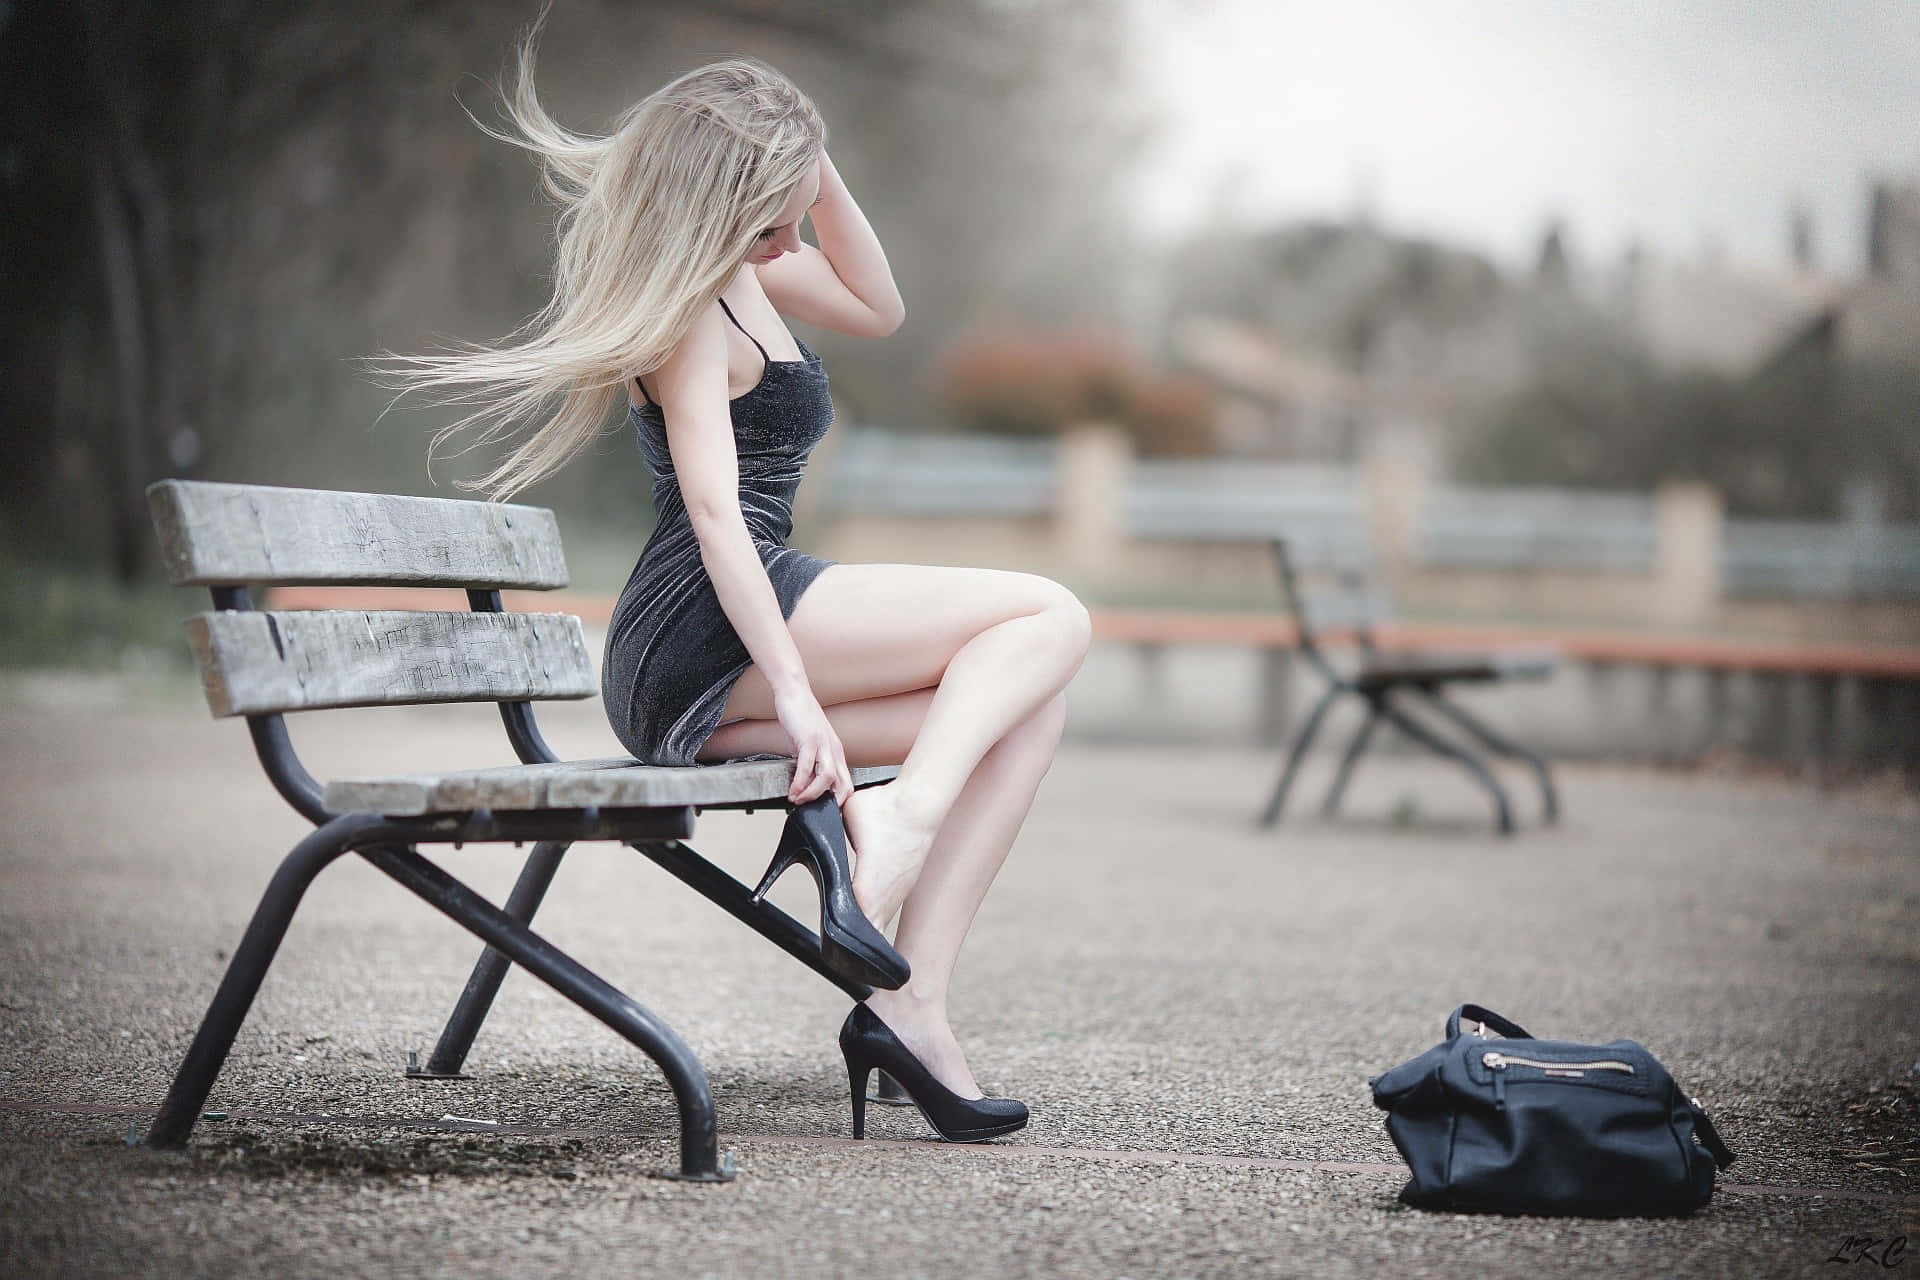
[(234, 534), (610, 782), (508, 787), (257, 662)]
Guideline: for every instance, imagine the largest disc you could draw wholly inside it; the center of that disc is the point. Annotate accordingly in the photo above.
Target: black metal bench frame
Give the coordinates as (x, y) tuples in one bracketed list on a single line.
[(390, 844), (1378, 680)]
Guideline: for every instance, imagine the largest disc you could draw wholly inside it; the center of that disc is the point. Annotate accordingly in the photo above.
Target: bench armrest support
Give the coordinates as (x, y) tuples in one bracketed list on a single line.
[(272, 744), (522, 731)]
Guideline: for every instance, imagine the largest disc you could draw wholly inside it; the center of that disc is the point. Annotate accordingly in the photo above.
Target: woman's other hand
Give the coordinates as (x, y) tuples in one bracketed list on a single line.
[(819, 761), (844, 285)]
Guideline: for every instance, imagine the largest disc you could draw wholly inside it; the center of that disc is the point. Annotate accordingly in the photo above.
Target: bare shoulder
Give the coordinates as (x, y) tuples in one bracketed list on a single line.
[(697, 361)]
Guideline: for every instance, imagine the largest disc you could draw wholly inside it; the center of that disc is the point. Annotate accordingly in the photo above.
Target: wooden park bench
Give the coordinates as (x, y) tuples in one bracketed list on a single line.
[(261, 664)]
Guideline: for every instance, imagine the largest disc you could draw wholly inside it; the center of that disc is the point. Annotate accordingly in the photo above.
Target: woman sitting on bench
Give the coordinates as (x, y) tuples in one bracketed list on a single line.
[(679, 254)]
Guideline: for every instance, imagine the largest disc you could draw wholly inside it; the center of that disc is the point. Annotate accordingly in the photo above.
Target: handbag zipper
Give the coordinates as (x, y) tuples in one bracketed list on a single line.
[(1497, 1063)]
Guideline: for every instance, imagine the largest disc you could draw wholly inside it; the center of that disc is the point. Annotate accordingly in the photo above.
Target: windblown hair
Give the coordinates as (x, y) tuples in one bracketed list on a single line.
[(655, 219)]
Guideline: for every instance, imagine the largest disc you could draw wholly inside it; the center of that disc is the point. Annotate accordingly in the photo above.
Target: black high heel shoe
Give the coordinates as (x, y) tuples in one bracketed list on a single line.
[(868, 1043), (849, 944)]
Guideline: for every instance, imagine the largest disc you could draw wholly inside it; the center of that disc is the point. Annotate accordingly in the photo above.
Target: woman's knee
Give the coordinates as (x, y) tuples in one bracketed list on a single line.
[(1071, 616)]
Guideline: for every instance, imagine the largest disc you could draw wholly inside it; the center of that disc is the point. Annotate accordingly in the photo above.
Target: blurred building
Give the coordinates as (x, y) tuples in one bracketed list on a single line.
[(1739, 319), (1274, 399), (1322, 336)]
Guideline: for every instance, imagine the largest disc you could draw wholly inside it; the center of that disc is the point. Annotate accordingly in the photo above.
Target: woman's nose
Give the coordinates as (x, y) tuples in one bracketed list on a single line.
[(788, 239)]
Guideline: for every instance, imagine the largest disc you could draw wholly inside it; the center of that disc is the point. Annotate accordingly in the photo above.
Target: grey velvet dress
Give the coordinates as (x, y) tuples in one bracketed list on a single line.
[(672, 655)]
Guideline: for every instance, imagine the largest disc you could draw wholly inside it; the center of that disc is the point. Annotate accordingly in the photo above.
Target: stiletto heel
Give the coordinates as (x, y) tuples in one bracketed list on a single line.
[(783, 857), (849, 944), (857, 1078), (867, 1043)]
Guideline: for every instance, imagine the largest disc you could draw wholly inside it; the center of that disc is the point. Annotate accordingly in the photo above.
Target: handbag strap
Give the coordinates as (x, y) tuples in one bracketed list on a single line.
[(1710, 1136), (1510, 1029)]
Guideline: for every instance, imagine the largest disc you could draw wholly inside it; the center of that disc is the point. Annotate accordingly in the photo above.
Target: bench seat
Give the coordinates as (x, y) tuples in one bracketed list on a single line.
[(612, 782), (1381, 669)]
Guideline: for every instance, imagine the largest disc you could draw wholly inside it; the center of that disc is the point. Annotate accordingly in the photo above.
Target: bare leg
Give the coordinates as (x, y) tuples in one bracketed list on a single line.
[(966, 855), (995, 683), (991, 646), (958, 675)]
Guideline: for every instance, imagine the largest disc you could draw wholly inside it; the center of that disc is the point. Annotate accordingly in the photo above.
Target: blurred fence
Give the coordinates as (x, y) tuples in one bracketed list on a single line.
[(1481, 528), (1820, 559), (1324, 511), (879, 471), (1321, 509)]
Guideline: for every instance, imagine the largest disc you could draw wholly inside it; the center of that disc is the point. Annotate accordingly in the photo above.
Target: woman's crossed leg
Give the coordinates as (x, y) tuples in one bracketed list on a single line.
[(957, 675)]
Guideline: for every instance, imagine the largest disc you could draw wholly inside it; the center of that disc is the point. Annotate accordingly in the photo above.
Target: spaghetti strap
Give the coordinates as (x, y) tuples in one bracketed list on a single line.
[(742, 328), (736, 324)]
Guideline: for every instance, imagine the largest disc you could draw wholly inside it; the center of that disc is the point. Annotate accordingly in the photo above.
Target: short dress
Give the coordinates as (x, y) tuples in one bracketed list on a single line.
[(672, 655)]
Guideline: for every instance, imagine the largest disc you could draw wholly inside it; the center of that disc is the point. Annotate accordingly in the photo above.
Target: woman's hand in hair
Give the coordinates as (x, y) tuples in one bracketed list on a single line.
[(845, 284), (819, 761)]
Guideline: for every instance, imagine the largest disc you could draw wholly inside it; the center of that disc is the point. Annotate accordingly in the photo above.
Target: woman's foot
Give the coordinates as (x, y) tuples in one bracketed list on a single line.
[(890, 845), (922, 1027)]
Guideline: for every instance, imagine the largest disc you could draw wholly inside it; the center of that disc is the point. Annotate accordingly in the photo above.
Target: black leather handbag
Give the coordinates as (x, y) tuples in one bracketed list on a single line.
[(1495, 1120)]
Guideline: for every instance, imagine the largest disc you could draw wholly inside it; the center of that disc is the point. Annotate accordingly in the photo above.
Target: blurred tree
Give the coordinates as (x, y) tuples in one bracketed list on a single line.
[(214, 206), (1788, 442), (1555, 269)]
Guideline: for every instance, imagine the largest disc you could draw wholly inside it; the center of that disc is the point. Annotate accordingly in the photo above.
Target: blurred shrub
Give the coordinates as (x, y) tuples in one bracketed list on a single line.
[(1786, 443), (1034, 383), (54, 617)]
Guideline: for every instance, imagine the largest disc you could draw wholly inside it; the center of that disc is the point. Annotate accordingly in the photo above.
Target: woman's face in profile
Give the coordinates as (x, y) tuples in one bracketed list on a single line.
[(783, 236)]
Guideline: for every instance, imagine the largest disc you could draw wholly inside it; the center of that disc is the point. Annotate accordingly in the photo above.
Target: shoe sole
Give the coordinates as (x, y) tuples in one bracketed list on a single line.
[(970, 1135), (856, 964)]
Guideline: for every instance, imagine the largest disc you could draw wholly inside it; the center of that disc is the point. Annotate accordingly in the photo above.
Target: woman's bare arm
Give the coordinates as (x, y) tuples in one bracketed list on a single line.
[(843, 285), (693, 398)]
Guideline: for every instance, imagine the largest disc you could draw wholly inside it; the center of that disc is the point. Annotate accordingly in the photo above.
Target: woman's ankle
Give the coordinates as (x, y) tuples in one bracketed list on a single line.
[(908, 1007), (909, 811)]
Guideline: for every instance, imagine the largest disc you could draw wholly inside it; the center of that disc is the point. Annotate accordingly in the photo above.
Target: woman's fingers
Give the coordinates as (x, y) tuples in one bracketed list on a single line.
[(821, 777), (802, 771)]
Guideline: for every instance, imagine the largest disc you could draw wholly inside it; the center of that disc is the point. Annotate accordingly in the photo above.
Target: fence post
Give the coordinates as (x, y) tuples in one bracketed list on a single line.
[(1689, 522), (1394, 475), (1089, 521)]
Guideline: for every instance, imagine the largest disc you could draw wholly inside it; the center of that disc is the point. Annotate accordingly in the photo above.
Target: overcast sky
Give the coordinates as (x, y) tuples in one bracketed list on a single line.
[(1676, 121)]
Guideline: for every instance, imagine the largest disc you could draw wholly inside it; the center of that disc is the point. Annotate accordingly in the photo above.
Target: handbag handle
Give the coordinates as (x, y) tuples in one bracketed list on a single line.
[(1512, 1030)]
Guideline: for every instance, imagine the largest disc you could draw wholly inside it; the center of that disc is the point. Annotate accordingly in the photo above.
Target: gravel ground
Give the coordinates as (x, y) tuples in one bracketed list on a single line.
[(1191, 1007)]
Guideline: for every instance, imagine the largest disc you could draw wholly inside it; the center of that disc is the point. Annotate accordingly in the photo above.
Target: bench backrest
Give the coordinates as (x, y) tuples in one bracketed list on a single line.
[(264, 662), (1356, 603)]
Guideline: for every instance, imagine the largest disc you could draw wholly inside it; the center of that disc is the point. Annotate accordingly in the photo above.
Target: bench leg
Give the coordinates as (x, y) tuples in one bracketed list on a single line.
[(208, 1053), (1300, 744), (699, 1140), (450, 1054), (1502, 813), (1347, 761), (1549, 799)]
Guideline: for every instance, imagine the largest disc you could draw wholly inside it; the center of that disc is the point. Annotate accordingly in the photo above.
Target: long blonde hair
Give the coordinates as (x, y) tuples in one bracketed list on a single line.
[(655, 219)]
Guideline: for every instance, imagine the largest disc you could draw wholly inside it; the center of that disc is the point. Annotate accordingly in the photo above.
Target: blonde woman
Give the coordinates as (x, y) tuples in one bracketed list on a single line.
[(679, 260)]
